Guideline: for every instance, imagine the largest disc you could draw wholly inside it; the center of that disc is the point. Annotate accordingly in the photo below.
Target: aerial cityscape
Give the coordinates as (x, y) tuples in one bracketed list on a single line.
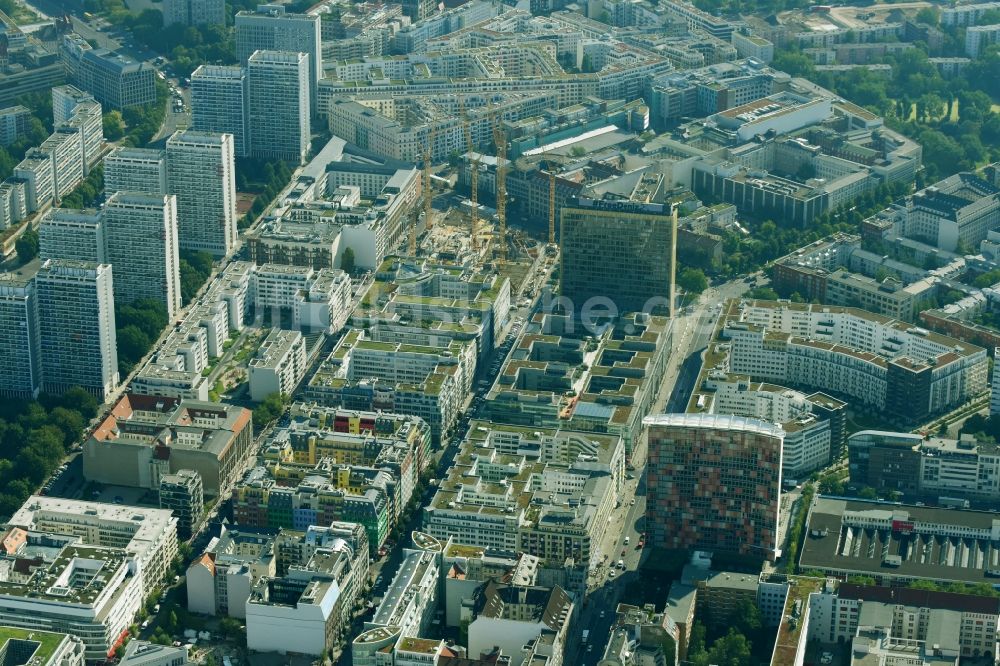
[(499, 333)]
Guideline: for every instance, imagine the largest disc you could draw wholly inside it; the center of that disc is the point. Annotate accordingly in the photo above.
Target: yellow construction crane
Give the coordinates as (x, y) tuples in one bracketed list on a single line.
[(501, 143), (427, 194), (552, 206), (473, 173)]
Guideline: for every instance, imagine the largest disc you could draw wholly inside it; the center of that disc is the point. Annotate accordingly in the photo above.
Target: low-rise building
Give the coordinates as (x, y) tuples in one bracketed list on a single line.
[(219, 581), (145, 438)]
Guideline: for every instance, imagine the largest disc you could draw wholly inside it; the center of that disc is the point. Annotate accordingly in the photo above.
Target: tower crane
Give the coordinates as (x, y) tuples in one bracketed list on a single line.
[(500, 139)]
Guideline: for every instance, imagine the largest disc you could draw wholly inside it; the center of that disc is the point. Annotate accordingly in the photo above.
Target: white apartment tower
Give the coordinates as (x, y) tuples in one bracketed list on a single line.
[(135, 170), (65, 233), (20, 366), (995, 387), (270, 28), (219, 103), (76, 313), (194, 12), (278, 109), (140, 231), (201, 173)]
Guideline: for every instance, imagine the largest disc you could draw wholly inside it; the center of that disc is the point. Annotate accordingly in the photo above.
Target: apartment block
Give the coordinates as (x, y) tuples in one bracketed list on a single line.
[(908, 372), (615, 254), (76, 309), (20, 355), (328, 493), (75, 109), (221, 579), (140, 232), (72, 234), (36, 172), (511, 617), (183, 494), (219, 103), (279, 366), (12, 202), (194, 12), (961, 209), (136, 170), (279, 104), (65, 149), (313, 299), (146, 438), (201, 173)]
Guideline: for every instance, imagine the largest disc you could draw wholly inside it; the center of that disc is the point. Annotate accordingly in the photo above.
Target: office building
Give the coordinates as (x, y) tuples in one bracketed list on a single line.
[(615, 254), (65, 233), (201, 173), (713, 483), (512, 616), (219, 103), (115, 80), (146, 438), (84, 567), (278, 108), (271, 28), (20, 362), (194, 12), (40, 648), (141, 235), (183, 495), (135, 170), (76, 307), (279, 366)]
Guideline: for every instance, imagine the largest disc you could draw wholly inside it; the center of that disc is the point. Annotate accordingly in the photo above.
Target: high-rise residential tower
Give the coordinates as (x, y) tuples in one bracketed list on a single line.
[(76, 312), (201, 173), (140, 231), (714, 483), (278, 109), (65, 233), (194, 12), (616, 252), (135, 170), (219, 103), (20, 363), (270, 28)]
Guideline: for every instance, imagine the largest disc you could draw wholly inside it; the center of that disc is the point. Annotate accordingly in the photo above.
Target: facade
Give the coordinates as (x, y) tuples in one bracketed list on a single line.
[(143, 653), (146, 438), (278, 104), (959, 210), (908, 372), (617, 253), (995, 391), (184, 495), (136, 170), (315, 299), (512, 616), (219, 103), (194, 12), (714, 483), (20, 355), (140, 231), (201, 173), (279, 366), (14, 121), (36, 172), (76, 307), (72, 234)]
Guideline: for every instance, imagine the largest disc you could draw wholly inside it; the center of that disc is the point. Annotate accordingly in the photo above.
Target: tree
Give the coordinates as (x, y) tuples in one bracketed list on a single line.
[(27, 246), (132, 346), (692, 280), (347, 261), (114, 125), (79, 400), (269, 409), (928, 15)]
